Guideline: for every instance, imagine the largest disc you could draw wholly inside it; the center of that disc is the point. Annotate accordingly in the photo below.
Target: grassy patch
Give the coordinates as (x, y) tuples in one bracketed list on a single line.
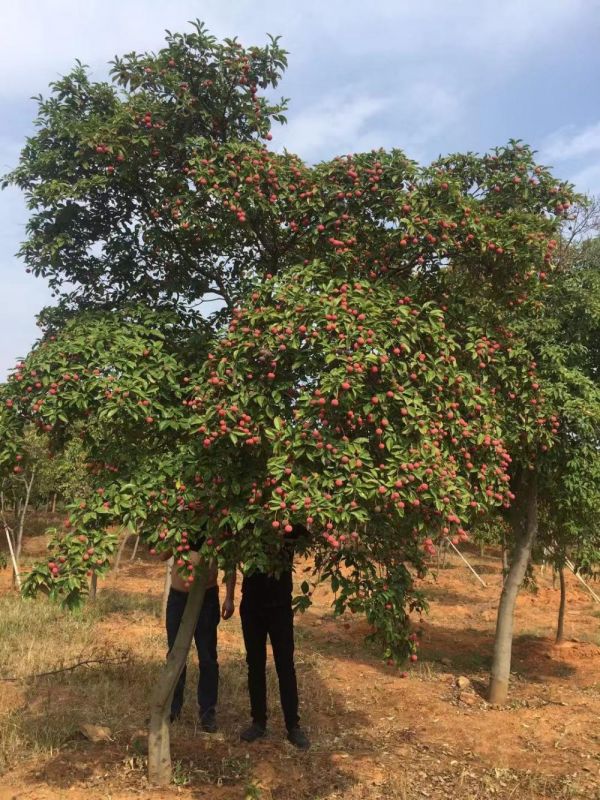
[(31, 630), (110, 601), (39, 715)]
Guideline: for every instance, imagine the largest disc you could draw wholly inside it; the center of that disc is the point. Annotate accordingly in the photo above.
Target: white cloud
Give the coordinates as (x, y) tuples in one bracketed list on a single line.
[(39, 39), (577, 151), (587, 180), (568, 143), (22, 298), (333, 125), (355, 121), (426, 111)]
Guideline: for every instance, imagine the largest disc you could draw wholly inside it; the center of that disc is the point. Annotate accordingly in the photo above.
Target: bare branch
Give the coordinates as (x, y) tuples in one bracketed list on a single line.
[(119, 659)]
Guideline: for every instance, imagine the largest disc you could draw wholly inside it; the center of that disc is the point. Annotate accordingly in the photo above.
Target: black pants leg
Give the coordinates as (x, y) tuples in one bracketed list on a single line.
[(281, 634), (175, 608), (254, 628), (205, 637)]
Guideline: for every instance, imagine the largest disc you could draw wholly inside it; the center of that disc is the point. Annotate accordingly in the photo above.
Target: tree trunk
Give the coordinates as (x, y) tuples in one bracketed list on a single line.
[(135, 547), (20, 528), (524, 525), (120, 551), (17, 547), (560, 628), (54, 503), (438, 556), (166, 588), (505, 561), (15, 563), (93, 588), (159, 751)]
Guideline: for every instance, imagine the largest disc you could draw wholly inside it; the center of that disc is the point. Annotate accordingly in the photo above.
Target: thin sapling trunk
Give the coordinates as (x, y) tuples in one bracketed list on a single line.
[(159, 749), (93, 588), (560, 628), (135, 547), (525, 529), (120, 550)]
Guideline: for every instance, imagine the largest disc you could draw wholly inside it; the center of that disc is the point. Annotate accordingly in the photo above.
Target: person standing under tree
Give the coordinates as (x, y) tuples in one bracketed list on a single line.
[(266, 610), (205, 636)]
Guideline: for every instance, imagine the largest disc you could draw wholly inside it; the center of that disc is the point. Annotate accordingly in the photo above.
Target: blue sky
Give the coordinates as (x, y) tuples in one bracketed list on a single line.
[(428, 76)]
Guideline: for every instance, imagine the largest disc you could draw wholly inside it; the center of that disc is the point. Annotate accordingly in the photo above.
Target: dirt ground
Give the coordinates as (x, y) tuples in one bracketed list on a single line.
[(375, 734)]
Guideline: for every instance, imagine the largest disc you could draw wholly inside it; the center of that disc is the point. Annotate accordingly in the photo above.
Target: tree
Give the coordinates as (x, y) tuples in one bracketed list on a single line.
[(340, 384), (562, 486), (63, 476), (556, 482), (18, 490), (571, 500), (106, 173), (377, 448), (36, 476)]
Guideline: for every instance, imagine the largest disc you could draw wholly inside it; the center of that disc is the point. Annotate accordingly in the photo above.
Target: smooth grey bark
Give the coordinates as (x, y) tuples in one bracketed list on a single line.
[(120, 551), (159, 747), (135, 547), (14, 532), (524, 522), (166, 588)]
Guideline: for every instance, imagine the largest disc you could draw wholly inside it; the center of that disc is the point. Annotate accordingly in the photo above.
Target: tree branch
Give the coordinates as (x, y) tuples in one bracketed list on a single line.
[(120, 659)]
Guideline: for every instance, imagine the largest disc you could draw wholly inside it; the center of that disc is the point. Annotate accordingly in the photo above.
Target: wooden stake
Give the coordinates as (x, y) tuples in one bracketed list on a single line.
[(12, 557), (580, 579), (135, 547), (457, 551)]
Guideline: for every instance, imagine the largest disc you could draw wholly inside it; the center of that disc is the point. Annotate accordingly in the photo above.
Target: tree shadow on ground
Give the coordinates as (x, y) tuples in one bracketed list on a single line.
[(446, 597), (467, 650), (117, 697), (343, 728)]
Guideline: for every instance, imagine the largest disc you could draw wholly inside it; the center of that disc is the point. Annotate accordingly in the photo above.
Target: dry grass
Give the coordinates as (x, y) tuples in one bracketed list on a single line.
[(366, 746), (41, 714)]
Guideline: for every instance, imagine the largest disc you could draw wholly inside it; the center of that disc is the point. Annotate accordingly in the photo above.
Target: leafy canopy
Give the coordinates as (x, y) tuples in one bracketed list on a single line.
[(358, 373)]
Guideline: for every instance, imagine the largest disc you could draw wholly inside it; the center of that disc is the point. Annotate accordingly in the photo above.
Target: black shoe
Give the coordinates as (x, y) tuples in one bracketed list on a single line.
[(253, 733), (298, 738), (208, 723)]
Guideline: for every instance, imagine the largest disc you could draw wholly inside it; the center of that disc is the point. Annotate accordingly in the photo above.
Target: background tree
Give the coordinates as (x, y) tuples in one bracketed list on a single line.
[(569, 343), (17, 491), (63, 475), (32, 485), (557, 323)]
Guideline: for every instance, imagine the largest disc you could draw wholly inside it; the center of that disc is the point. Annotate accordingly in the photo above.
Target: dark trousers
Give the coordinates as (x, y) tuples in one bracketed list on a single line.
[(205, 637), (276, 622)]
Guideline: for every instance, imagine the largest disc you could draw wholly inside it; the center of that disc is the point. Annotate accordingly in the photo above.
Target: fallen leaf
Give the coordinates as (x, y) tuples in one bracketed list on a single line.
[(96, 733)]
